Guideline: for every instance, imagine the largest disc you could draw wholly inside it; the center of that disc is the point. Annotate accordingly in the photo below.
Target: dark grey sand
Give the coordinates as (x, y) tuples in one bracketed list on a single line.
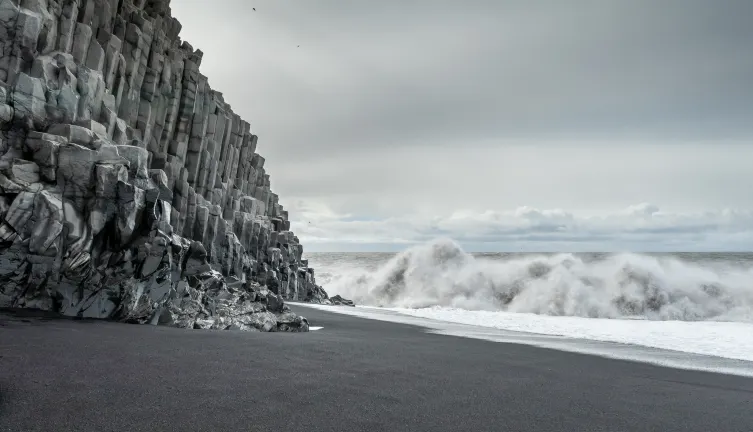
[(353, 375)]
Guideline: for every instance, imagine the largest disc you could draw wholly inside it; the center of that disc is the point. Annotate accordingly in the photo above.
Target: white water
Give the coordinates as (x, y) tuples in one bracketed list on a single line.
[(440, 273), (667, 303), (676, 347), (720, 339)]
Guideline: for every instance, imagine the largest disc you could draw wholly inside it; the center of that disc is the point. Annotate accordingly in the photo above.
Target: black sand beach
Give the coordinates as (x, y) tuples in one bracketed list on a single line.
[(353, 375)]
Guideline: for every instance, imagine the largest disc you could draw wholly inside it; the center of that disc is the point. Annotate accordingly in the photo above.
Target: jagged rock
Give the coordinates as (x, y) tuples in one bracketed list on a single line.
[(162, 183), (275, 302), (4, 206), (48, 224), (44, 150), (76, 166), (29, 100), (20, 212), (106, 179), (339, 301), (288, 321), (314, 293), (129, 189), (6, 113), (131, 205), (72, 133), (23, 172), (137, 158)]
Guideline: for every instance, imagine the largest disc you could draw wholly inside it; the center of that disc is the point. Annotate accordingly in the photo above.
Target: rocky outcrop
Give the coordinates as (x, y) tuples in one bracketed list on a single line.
[(339, 301), (129, 189)]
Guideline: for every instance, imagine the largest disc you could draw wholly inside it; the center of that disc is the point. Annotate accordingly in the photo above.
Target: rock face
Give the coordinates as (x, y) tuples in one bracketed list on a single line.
[(129, 190)]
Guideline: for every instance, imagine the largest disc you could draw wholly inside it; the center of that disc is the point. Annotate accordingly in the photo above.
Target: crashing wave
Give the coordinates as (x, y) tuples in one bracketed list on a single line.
[(440, 273)]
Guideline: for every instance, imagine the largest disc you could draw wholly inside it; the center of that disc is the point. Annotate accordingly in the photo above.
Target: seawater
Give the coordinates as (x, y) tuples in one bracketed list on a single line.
[(666, 286)]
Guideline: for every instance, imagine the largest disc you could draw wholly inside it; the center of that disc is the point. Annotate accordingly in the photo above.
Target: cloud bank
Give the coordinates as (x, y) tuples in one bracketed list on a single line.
[(643, 227), (393, 112)]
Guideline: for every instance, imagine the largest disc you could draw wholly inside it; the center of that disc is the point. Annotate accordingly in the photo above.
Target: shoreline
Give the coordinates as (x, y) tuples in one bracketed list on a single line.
[(683, 360), (354, 374)]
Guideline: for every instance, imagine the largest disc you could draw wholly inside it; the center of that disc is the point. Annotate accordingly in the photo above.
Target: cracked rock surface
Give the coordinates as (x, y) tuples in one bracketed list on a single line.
[(129, 190)]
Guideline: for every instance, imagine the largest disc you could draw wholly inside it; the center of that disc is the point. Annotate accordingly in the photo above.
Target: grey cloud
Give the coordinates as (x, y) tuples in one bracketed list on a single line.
[(394, 108), (571, 177), (395, 73), (511, 231)]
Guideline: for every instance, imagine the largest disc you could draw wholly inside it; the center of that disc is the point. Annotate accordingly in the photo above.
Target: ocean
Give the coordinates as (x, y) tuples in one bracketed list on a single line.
[(692, 302)]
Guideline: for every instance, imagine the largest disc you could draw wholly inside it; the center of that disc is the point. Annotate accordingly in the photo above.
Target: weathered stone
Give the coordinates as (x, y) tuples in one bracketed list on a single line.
[(81, 41), (6, 114), (95, 58), (159, 177), (120, 132), (67, 25), (137, 157), (48, 224), (129, 189), (29, 99), (72, 133), (76, 165), (107, 177), (91, 88), (249, 205), (339, 301), (131, 205), (274, 302), (24, 172), (20, 212)]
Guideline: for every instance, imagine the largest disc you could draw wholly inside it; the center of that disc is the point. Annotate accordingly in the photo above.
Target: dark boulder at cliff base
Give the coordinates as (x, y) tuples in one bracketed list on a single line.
[(129, 189), (339, 301)]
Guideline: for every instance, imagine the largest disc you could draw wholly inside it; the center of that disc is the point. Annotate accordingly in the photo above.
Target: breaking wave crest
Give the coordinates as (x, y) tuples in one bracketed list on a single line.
[(441, 274)]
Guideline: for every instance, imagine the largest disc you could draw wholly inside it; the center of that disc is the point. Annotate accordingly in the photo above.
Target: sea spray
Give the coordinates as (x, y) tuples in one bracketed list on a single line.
[(440, 273)]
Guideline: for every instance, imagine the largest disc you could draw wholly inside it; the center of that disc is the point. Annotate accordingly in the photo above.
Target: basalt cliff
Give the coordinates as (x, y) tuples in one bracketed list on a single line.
[(129, 190)]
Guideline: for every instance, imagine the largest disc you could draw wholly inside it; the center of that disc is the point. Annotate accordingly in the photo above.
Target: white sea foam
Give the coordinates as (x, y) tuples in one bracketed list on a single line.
[(707, 346), (441, 274), (641, 300), (721, 339)]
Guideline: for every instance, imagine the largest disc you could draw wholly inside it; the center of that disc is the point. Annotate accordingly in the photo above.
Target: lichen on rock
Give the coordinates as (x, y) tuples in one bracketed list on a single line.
[(129, 190)]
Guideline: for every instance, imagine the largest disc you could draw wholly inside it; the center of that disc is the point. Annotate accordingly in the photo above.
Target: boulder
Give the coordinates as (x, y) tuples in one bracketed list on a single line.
[(337, 300)]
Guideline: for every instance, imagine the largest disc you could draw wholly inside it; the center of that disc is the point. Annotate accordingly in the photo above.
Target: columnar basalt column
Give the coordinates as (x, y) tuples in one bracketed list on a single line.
[(129, 189)]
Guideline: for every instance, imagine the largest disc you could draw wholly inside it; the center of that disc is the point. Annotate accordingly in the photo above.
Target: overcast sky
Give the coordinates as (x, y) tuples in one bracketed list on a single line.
[(506, 125)]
